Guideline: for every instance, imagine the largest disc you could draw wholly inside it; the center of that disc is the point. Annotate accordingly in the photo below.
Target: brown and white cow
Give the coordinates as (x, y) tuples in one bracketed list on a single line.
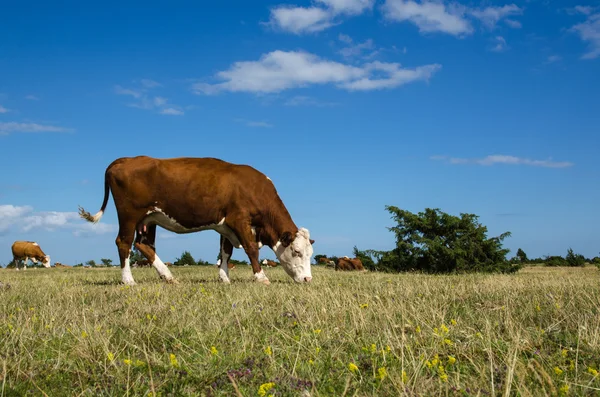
[(346, 263), (270, 263), (25, 250), (58, 264), (186, 195)]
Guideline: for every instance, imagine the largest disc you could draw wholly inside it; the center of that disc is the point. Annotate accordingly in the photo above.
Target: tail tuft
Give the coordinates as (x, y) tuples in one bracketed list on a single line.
[(89, 217)]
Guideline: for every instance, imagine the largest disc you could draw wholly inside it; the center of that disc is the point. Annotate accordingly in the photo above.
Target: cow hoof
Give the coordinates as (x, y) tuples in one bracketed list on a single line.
[(225, 281), (264, 281)]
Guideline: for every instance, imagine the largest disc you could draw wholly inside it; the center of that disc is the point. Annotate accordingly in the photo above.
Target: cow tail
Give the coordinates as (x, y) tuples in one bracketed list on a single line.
[(95, 218)]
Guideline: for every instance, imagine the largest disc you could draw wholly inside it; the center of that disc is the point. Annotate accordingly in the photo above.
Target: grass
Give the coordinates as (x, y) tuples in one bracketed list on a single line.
[(79, 332)]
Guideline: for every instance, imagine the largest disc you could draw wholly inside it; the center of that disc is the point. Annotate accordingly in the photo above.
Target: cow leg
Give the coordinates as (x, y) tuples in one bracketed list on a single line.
[(226, 252), (25, 263), (145, 243), (248, 241), (124, 241)]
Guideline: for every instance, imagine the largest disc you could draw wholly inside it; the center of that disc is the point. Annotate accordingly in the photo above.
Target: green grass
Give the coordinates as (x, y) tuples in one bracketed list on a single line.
[(79, 332)]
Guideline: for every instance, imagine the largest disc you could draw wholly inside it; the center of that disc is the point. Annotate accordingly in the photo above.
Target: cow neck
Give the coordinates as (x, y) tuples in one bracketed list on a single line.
[(280, 223)]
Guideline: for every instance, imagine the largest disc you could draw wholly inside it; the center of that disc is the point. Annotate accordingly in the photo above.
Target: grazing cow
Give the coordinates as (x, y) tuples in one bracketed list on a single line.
[(270, 263), (346, 263), (186, 195), (25, 250)]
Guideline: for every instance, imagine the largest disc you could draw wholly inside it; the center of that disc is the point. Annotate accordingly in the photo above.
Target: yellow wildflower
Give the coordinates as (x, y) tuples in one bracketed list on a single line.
[(84, 334), (364, 305), (571, 365), (478, 334), (388, 348), (453, 322), (317, 331), (173, 360), (127, 361), (448, 342), (428, 364), (404, 377), (318, 349), (373, 348), (558, 371), (592, 371), (537, 307), (564, 353), (110, 356), (451, 360), (564, 389), (213, 351), (268, 351), (311, 362), (435, 360), (139, 363), (352, 367), (444, 329), (418, 329), (264, 388), (381, 373)]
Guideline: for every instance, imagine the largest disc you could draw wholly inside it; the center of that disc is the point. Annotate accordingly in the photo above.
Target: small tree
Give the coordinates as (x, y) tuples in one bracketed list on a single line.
[(555, 260), (436, 242), (135, 255), (574, 259), (366, 258), (106, 262), (91, 263), (185, 259), (522, 256)]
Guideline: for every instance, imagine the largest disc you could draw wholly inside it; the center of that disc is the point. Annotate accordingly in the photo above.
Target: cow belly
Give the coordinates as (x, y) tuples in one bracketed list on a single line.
[(163, 220)]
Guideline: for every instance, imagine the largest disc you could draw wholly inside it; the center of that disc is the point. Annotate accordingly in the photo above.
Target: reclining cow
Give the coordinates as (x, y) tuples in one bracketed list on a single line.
[(25, 250), (270, 263), (346, 263), (186, 195)]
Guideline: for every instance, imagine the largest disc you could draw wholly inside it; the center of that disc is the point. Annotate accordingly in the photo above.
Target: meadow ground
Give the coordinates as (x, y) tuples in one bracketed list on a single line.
[(79, 332)]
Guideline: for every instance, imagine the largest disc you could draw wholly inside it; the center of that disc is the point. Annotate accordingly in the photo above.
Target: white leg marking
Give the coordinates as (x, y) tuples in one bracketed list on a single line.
[(223, 268), (261, 277), (25, 263), (126, 275), (162, 269)]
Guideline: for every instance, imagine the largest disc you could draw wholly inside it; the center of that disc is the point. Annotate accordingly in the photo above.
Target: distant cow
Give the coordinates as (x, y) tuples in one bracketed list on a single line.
[(346, 263), (58, 264), (186, 195), (270, 263), (25, 250), (326, 261)]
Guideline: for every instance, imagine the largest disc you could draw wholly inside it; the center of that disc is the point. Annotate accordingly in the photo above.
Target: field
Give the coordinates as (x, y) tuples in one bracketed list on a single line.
[(79, 332)]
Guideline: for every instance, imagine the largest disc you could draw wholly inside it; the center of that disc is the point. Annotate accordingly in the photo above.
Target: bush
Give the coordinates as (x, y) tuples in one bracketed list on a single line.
[(574, 259), (555, 260), (436, 242)]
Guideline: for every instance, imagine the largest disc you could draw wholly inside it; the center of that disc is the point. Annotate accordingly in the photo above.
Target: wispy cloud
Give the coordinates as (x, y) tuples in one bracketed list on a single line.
[(25, 219), (302, 100), (282, 70), (7, 128), (584, 10), (3, 110), (251, 123), (513, 23), (356, 49), (589, 31), (449, 18), (322, 15), (32, 98), (503, 159), (553, 59), (499, 44), (147, 101)]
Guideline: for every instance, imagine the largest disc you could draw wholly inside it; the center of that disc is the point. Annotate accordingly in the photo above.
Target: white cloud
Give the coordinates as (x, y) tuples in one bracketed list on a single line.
[(25, 219), (3, 110), (302, 100), (149, 102), (301, 20), (32, 98), (500, 44), (251, 123), (589, 31), (171, 112), (354, 50), (450, 18), (513, 24), (6, 128), (585, 10), (491, 15), (504, 159), (429, 16), (282, 70)]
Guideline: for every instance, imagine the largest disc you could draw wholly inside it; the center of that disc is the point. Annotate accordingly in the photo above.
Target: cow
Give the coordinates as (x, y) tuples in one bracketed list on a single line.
[(327, 262), (58, 264), (270, 263), (25, 250), (346, 263), (190, 194)]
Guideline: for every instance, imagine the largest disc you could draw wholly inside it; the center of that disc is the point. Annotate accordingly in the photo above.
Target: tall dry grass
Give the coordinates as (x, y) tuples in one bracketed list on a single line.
[(79, 332)]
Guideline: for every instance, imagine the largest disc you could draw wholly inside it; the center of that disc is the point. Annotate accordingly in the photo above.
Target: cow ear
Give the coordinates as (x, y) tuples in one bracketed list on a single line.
[(312, 241), (286, 239)]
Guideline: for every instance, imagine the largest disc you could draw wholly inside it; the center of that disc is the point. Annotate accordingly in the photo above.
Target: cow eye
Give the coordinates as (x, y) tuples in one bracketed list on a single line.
[(296, 253)]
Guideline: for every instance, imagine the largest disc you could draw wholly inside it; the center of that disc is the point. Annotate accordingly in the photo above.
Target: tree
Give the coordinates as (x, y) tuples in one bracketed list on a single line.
[(366, 258), (135, 255), (574, 259), (106, 262), (436, 242), (317, 257), (91, 263), (185, 259), (522, 256)]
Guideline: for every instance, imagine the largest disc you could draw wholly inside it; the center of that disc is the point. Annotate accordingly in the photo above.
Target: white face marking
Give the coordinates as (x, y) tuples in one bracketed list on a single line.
[(46, 261), (162, 269), (295, 259), (163, 220), (126, 275)]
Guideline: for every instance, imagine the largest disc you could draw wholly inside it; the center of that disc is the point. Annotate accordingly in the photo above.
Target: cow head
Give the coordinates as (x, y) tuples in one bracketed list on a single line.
[(294, 253), (46, 261)]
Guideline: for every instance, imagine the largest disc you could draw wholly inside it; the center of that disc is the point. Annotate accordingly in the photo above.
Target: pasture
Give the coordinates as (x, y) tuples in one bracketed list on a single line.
[(79, 332)]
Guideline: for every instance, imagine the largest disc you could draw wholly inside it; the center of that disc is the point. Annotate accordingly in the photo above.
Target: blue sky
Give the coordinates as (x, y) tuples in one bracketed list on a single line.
[(347, 105)]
